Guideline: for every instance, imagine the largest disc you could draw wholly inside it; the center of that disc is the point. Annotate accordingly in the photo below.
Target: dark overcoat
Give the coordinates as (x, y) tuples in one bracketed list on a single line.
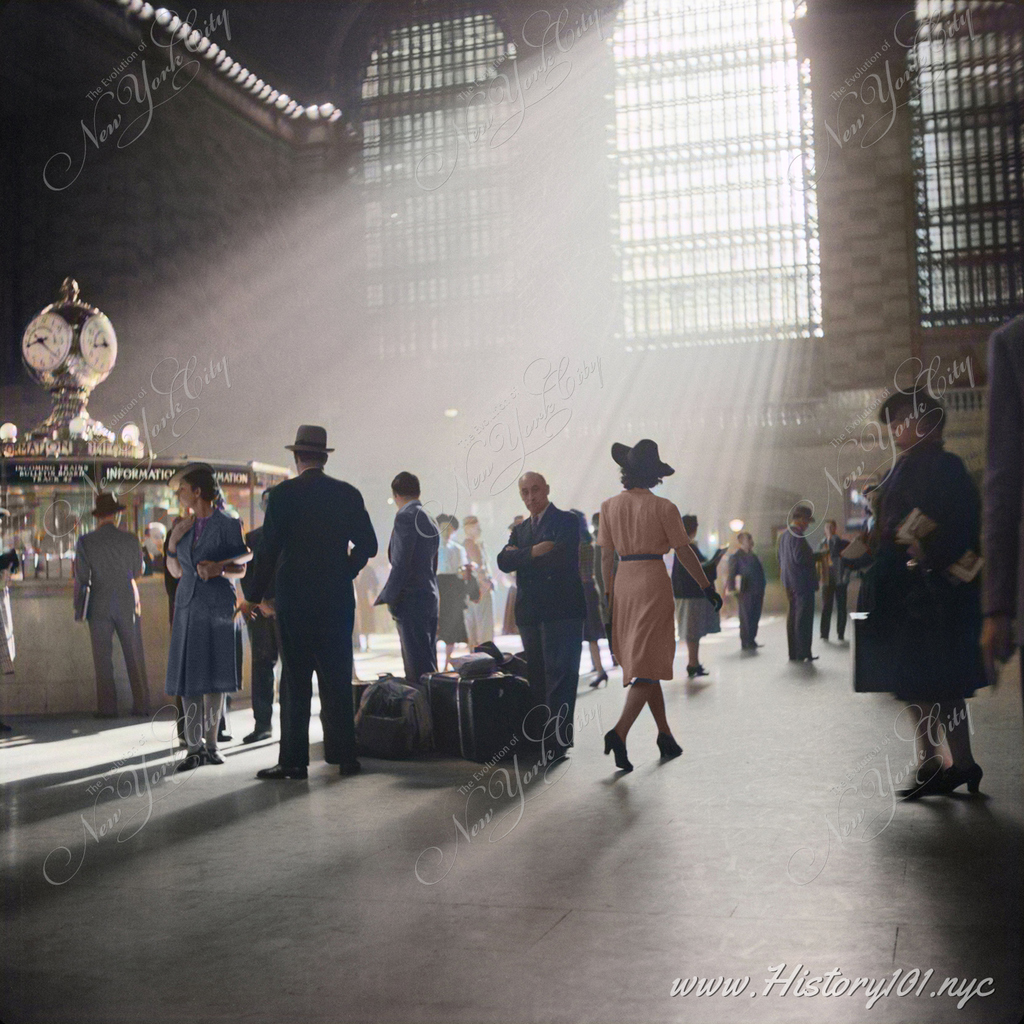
[(920, 640)]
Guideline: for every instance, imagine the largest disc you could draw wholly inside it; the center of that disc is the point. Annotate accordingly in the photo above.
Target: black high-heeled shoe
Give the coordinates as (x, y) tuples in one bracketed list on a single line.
[(668, 746), (696, 670), (612, 741), (954, 777), (602, 678)]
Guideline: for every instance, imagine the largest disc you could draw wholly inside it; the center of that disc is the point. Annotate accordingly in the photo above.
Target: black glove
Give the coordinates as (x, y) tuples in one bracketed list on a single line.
[(712, 595)]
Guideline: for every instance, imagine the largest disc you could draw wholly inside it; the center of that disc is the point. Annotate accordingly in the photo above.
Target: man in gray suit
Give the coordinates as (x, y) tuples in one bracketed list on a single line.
[(108, 560), (1003, 539)]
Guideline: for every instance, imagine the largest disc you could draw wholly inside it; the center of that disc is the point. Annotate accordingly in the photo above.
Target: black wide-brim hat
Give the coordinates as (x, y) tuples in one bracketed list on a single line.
[(641, 458), (309, 438)]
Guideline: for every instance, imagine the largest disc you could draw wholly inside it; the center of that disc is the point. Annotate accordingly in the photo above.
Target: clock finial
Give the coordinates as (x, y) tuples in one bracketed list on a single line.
[(68, 290)]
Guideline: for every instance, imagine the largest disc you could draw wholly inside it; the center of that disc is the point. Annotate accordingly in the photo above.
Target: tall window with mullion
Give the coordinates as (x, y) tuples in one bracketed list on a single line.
[(717, 225), (437, 208), (967, 69)]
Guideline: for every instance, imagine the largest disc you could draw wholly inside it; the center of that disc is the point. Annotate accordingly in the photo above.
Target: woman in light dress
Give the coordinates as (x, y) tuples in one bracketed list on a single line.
[(641, 528)]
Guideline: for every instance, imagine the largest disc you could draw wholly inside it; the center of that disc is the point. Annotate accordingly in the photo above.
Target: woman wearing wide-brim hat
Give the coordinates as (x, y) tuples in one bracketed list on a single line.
[(642, 528)]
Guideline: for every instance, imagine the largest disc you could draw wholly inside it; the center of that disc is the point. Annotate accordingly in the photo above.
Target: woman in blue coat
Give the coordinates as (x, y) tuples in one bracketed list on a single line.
[(206, 552)]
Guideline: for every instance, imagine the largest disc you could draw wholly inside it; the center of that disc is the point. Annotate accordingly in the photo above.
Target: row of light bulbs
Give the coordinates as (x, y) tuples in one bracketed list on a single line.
[(196, 42), (130, 433)]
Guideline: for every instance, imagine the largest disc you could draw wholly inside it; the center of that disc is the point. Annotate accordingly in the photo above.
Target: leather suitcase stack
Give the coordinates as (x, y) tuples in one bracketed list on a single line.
[(476, 719)]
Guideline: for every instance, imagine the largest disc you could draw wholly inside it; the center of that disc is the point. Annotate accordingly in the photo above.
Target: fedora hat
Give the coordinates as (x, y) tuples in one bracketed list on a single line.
[(106, 504), (641, 458), (309, 438)]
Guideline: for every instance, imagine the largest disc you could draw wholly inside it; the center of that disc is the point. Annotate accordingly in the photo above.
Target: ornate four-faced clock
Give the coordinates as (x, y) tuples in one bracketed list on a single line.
[(69, 348)]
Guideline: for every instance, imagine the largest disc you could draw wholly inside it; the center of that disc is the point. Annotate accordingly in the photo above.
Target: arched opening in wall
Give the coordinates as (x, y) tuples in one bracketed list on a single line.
[(435, 183), (966, 66), (718, 228)]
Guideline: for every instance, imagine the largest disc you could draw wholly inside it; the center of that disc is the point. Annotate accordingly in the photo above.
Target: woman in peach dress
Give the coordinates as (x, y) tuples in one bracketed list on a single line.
[(642, 527)]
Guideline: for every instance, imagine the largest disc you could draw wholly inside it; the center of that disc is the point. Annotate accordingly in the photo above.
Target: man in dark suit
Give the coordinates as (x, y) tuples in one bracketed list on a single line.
[(108, 560), (544, 553), (800, 580), (311, 521), (411, 590), (835, 578), (264, 643), (746, 580)]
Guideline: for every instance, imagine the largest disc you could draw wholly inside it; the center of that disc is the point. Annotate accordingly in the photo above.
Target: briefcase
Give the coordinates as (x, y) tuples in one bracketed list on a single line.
[(476, 719)]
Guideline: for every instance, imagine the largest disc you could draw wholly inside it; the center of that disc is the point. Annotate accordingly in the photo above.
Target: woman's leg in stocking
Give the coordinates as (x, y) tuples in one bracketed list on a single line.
[(636, 697)]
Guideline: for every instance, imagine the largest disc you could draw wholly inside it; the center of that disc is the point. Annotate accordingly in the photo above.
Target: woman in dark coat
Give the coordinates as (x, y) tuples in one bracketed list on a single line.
[(206, 552), (921, 637)]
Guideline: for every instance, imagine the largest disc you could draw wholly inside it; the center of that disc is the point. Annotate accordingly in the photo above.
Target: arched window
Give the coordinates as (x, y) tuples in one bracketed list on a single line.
[(436, 201), (713, 140)]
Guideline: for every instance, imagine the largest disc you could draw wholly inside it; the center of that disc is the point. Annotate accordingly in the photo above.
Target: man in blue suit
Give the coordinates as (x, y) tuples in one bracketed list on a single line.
[(311, 520), (411, 590), (544, 553), (800, 580)]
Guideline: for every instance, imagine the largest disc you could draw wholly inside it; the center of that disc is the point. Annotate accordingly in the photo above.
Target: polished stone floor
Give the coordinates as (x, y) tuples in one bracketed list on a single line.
[(444, 891)]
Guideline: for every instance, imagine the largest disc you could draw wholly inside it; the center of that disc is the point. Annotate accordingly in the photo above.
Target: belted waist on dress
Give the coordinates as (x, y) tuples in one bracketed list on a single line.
[(640, 558)]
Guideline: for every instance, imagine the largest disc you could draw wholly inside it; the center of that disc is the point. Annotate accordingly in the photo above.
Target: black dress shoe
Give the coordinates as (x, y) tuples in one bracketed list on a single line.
[(256, 735), (602, 678), (192, 762), (4, 727), (280, 771), (224, 737), (350, 768), (811, 657), (212, 757)]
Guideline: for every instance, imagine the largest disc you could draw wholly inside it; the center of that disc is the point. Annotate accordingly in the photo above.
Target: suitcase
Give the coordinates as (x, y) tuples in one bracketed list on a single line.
[(476, 719)]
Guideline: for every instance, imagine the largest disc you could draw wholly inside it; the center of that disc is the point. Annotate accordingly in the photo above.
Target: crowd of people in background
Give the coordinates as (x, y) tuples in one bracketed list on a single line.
[(923, 631)]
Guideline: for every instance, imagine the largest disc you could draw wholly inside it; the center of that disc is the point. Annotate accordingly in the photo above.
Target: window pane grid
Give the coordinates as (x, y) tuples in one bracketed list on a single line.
[(714, 145), (967, 147), (436, 257)]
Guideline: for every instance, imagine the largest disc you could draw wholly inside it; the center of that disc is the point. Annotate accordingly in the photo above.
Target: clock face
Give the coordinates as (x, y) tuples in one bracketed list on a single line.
[(99, 343), (46, 342)]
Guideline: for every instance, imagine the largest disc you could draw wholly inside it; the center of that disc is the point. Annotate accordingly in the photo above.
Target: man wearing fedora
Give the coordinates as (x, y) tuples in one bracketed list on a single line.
[(797, 566), (544, 553), (311, 521), (107, 561)]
